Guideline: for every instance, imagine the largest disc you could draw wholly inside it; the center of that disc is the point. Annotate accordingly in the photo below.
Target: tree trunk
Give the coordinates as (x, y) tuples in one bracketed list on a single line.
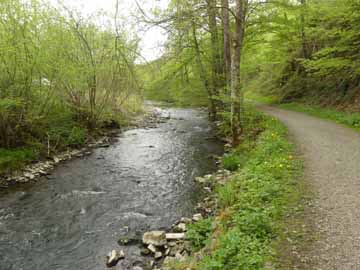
[(236, 92), (203, 77), (216, 68), (227, 42), (303, 34)]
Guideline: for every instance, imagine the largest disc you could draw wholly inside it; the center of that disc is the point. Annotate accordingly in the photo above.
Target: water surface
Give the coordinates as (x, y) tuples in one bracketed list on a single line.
[(142, 182)]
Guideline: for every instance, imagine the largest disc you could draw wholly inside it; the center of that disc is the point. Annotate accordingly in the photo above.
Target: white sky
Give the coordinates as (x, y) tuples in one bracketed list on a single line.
[(151, 40)]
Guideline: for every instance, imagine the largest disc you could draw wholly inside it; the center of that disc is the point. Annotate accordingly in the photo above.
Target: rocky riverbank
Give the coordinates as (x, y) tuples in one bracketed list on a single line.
[(165, 248), (150, 119)]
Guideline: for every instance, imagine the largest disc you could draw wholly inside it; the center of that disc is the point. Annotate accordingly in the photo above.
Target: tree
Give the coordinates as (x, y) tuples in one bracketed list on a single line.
[(227, 41), (236, 88)]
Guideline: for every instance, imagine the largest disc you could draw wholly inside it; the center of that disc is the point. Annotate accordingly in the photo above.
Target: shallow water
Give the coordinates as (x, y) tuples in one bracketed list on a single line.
[(142, 182)]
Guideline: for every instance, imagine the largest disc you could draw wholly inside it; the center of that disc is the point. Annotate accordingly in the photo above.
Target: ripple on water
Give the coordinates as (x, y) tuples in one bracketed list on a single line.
[(74, 220)]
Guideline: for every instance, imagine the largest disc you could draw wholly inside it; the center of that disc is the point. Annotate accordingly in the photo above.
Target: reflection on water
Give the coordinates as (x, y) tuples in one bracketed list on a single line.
[(142, 182)]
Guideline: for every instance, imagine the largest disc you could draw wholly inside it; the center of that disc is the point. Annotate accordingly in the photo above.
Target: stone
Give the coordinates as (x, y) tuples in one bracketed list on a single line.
[(197, 217), (152, 248), (29, 176), (185, 220), (180, 257), (156, 238), (177, 249), (56, 159), (169, 260), (172, 244), (158, 255), (200, 180), (181, 227), (114, 257), (145, 252), (175, 236)]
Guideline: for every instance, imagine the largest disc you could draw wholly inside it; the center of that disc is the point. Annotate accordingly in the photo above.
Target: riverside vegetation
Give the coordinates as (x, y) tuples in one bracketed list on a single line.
[(63, 78)]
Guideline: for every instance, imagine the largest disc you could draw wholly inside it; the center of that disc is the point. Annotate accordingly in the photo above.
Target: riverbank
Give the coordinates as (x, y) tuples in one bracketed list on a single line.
[(251, 207), (23, 168)]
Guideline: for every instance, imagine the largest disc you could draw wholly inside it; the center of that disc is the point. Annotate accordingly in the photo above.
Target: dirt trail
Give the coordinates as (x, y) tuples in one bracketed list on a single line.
[(332, 165)]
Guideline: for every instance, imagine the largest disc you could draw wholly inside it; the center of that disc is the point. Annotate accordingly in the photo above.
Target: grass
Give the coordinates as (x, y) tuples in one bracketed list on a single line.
[(351, 120), (252, 205), (12, 159), (269, 100)]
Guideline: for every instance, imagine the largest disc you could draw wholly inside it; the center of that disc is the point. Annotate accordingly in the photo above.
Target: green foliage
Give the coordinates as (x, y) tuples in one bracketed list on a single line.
[(12, 159), (328, 73), (61, 75), (231, 162), (199, 232)]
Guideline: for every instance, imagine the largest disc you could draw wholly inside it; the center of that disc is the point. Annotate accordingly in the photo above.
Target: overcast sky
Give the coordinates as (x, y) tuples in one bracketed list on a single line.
[(151, 39)]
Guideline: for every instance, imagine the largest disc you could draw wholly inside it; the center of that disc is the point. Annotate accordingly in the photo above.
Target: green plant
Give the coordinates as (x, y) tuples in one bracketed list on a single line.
[(11, 159), (199, 232)]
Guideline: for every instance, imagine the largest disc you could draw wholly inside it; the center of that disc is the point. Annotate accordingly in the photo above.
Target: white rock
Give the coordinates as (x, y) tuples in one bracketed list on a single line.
[(158, 255), (175, 236), (156, 238), (181, 227), (152, 248), (114, 257), (56, 159), (185, 220), (29, 175), (197, 217)]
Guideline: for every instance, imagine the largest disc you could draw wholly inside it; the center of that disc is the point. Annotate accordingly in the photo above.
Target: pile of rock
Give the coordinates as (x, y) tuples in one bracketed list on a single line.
[(153, 117), (168, 247)]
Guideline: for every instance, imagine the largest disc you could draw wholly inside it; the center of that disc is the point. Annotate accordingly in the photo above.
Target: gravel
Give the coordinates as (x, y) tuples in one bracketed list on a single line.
[(332, 167)]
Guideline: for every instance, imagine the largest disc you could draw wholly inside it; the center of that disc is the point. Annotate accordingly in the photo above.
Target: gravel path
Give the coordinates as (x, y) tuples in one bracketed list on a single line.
[(332, 165)]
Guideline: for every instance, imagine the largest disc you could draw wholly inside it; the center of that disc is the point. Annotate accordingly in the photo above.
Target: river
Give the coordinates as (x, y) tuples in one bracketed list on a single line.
[(144, 181)]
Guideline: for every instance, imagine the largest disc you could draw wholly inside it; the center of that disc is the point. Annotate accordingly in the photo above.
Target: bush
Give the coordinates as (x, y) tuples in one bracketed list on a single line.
[(12, 159), (231, 162), (12, 118), (199, 232)]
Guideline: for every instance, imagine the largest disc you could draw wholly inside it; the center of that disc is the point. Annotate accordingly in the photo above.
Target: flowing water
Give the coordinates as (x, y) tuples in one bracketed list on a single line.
[(142, 182)]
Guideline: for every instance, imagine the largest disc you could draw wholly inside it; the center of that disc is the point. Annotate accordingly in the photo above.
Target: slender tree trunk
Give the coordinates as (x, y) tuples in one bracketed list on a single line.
[(217, 70), (203, 77), (303, 34), (236, 92), (227, 42)]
